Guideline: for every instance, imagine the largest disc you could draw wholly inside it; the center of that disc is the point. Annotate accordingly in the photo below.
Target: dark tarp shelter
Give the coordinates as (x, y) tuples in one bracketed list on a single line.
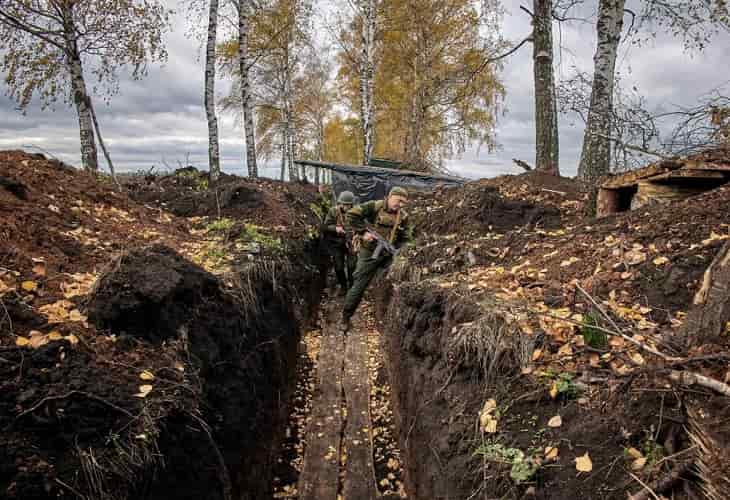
[(373, 183)]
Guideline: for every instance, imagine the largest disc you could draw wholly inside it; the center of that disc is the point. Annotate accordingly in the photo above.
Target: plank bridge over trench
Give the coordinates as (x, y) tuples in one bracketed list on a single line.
[(338, 455)]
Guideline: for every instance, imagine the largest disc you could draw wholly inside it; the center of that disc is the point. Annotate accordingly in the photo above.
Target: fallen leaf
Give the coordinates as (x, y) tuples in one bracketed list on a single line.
[(72, 339), (556, 421), (179, 366), (584, 464), (638, 464), (634, 453), (22, 342), (54, 335), (144, 390), (637, 358), (551, 453), (554, 390), (39, 269), (29, 286), (660, 261), (147, 375), (569, 262), (536, 354), (566, 350)]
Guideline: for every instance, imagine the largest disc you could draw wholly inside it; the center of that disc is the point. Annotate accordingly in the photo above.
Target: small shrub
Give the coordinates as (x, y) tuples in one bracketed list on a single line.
[(593, 336), (523, 467)]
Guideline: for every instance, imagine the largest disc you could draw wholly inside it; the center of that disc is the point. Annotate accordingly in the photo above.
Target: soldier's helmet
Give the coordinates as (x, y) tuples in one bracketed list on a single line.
[(346, 198)]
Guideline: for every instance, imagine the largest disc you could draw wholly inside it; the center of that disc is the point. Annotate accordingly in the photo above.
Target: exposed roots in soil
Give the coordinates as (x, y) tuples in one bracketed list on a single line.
[(491, 345)]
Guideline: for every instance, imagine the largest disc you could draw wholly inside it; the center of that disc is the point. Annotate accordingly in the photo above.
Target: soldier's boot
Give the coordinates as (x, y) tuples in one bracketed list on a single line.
[(345, 324)]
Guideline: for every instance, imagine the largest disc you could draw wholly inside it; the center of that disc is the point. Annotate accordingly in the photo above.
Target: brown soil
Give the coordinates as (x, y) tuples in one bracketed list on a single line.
[(264, 202), (523, 278), (98, 301)]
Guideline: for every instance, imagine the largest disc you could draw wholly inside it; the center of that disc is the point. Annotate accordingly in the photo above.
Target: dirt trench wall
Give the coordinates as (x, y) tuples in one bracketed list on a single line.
[(435, 421), (242, 342)]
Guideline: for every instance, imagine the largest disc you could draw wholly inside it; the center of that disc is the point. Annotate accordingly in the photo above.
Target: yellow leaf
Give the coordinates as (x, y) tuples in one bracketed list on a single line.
[(147, 375), (536, 354), (637, 358), (566, 350), (54, 335), (72, 339), (584, 464), (179, 366), (659, 261), (29, 286), (76, 315), (638, 464), (144, 390), (37, 341), (551, 453), (569, 262), (556, 421), (634, 453), (554, 390), (22, 342)]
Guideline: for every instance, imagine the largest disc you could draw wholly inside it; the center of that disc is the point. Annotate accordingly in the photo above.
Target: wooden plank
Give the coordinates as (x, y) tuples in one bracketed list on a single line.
[(687, 174), (630, 178), (319, 479), (359, 470), (701, 165)]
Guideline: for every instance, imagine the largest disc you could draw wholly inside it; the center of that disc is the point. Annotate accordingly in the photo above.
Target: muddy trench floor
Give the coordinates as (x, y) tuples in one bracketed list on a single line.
[(340, 437)]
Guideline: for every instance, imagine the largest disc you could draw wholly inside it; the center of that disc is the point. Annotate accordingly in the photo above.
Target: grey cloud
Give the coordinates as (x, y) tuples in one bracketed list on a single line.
[(161, 116)]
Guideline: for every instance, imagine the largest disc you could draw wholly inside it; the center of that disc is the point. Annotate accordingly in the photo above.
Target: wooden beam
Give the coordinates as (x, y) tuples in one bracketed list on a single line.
[(687, 174)]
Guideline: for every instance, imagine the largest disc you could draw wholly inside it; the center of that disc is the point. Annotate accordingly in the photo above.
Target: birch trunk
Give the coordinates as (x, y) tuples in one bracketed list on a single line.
[(367, 75), (246, 100), (546, 116), (209, 100), (283, 156), (81, 98), (595, 158)]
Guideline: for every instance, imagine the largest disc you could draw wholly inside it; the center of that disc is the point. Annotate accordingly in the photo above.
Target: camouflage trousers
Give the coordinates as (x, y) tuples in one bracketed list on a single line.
[(344, 264), (366, 269)]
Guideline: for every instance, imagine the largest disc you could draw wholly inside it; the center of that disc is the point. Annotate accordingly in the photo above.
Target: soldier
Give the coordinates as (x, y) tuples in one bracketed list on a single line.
[(387, 219), (337, 242)]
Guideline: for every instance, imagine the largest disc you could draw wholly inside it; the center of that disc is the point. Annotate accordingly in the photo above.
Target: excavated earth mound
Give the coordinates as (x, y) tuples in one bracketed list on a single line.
[(126, 370), (491, 333)]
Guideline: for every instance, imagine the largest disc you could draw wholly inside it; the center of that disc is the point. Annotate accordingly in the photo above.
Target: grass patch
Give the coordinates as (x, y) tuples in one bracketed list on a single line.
[(522, 466), (253, 236), (220, 226)]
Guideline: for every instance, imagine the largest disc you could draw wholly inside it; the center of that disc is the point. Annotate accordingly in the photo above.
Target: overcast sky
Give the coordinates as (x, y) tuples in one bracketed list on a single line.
[(161, 118)]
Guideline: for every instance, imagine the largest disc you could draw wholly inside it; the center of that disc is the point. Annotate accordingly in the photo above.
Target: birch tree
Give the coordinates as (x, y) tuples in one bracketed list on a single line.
[(209, 99), (244, 65), (596, 154), (546, 115), (368, 14), (48, 46)]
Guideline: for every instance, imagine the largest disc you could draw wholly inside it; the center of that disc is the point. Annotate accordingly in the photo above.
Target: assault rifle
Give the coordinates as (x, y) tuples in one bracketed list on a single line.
[(382, 244)]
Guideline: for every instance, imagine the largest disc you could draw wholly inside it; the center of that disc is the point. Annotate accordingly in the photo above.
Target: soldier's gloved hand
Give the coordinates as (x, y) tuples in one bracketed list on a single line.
[(368, 236), (340, 230)]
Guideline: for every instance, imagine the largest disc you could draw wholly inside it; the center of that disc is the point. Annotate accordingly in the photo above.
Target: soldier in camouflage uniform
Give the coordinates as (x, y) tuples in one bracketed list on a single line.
[(389, 220), (336, 240)]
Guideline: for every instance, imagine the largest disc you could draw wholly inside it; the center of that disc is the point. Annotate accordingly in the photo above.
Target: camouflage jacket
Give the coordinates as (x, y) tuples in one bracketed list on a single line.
[(373, 213), (335, 217)]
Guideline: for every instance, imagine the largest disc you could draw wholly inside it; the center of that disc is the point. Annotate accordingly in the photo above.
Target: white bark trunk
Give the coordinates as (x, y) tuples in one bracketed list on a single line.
[(367, 76), (209, 99), (81, 98), (596, 155), (244, 15)]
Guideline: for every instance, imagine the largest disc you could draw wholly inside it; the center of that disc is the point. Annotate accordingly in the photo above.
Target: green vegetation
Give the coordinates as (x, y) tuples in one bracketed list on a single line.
[(223, 225), (593, 336), (252, 235), (523, 467), (200, 182), (562, 383)]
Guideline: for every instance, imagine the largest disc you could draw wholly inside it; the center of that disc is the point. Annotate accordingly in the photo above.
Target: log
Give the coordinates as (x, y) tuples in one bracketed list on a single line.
[(710, 313)]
